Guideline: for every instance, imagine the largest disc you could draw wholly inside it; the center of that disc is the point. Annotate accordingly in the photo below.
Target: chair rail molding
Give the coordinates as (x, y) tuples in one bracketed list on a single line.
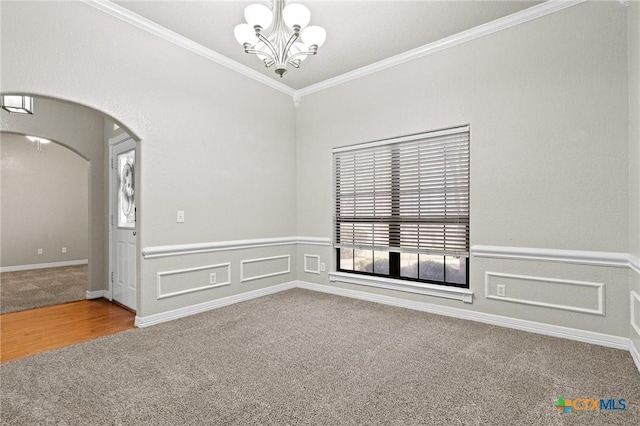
[(185, 249), (634, 263), (581, 257)]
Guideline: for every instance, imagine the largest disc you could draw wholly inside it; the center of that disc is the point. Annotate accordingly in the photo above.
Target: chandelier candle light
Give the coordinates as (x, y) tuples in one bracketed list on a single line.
[(272, 34)]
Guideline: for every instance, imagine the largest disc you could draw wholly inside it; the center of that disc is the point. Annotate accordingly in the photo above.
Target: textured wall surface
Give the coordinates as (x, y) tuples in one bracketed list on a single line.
[(45, 203), (213, 143), (547, 105), (551, 163), (634, 157)]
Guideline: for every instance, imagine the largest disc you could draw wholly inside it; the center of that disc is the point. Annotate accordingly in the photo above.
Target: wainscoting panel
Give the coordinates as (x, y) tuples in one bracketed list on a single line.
[(635, 311), (312, 263), (255, 269), (183, 281), (569, 295)]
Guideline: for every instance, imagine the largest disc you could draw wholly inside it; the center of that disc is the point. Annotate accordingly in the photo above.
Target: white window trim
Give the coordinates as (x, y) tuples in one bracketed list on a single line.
[(449, 292), (446, 290), (408, 138)]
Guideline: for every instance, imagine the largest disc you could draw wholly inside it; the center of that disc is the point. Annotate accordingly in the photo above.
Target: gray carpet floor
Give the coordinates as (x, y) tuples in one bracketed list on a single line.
[(302, 357), (21, 290)]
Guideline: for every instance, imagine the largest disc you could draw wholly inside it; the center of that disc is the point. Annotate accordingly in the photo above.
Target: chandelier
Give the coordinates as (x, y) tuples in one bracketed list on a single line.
[(273, 34), (38, 141)]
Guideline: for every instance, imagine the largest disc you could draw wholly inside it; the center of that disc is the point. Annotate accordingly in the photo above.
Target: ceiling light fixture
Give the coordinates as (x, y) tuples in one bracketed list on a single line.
[(17, 104), (279, 46), (38, 141)]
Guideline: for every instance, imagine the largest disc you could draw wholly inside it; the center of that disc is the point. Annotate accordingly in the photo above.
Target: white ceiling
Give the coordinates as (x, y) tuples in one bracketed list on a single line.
[(359, 32)]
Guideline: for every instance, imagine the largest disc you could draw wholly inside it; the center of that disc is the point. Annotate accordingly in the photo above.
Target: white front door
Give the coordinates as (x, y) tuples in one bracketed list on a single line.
[(123, 221)]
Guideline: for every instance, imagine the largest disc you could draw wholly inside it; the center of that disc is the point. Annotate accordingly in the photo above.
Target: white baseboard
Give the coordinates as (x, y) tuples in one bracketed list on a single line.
[(95, 294), (148, 320), (44, 265), (518, 324), (635, 354), (591, 337)]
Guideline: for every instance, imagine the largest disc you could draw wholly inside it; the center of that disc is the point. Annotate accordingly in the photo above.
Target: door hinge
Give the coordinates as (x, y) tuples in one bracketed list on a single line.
[(111, 220), (112, 277), (112, 164)]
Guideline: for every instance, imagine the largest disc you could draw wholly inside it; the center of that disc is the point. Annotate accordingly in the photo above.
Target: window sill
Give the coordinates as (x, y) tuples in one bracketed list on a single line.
[(463, 294)]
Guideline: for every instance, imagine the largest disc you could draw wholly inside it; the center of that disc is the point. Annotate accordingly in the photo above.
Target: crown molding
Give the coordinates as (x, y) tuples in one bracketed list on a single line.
[(151, 27), (500, 24), (546, 8)]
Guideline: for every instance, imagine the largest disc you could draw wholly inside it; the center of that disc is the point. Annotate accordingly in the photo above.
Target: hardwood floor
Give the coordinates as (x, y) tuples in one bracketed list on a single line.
[(39, 330)]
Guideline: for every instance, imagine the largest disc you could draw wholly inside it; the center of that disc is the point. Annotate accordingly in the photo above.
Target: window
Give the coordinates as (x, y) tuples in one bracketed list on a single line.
[(402, 207)]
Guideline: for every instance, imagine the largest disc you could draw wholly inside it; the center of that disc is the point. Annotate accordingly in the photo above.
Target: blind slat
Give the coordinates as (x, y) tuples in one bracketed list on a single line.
[(408, 196)]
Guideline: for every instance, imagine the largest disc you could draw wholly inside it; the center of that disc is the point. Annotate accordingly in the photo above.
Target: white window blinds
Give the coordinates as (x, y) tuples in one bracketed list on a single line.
[(408, 194)]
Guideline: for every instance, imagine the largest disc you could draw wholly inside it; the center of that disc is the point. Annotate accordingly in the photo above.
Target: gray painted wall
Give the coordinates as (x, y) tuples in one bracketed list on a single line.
[(547, 102), (44, 203), (634, 154), (227, 161), (547, 105), (81, 130)]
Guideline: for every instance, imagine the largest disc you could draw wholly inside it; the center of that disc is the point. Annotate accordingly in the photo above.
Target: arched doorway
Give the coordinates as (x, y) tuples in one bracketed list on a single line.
[(86, 132)]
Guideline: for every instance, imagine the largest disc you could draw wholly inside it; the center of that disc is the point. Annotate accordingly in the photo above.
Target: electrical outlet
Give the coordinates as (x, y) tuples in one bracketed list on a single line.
[(180, 216), (323, 267), (501, 290), (64, 249), (212, 278), (39, 251)]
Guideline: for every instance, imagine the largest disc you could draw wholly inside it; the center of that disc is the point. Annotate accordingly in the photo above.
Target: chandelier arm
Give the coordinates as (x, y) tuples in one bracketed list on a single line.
[(292, 39), (268, 61), (260, 52), (269, 45), (307, 53)]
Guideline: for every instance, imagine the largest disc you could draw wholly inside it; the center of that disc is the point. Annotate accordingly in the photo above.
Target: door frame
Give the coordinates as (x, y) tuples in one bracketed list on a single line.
[(113, 142)]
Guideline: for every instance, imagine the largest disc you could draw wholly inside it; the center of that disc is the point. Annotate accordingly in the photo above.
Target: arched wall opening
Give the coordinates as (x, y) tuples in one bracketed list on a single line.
[(86, 132), (234, 181)]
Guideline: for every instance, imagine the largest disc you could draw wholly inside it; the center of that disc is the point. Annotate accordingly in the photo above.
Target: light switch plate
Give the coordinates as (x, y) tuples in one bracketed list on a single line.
[(180, 216)]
